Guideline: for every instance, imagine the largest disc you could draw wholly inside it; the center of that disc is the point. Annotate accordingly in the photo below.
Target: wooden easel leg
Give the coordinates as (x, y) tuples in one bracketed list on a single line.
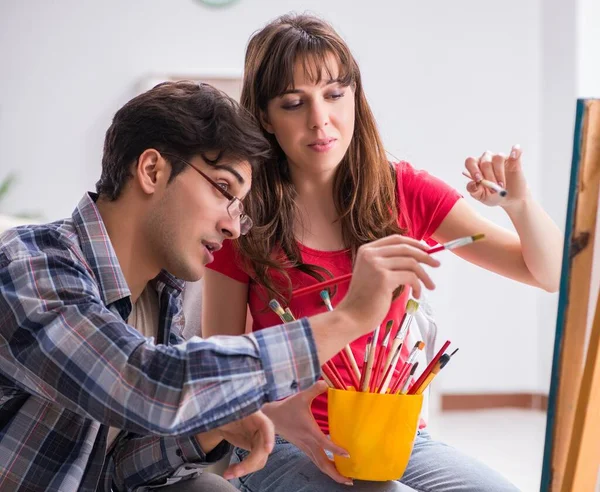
[(574, 300), (583, 458)]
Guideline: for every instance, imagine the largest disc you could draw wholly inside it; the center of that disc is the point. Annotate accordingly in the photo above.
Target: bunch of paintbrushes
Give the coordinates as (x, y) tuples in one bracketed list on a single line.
[(381, 362), (382, 372)]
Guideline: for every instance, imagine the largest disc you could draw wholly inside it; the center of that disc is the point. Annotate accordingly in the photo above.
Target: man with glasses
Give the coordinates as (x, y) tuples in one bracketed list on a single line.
[(98, 391)]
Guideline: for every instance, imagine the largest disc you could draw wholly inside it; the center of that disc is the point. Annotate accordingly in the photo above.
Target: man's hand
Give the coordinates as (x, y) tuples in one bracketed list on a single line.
[(380, 267), (294, 421), (254, 433)]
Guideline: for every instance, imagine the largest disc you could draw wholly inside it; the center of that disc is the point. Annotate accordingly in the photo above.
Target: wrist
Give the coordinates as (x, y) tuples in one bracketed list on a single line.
[(517, 205), (332, 331)]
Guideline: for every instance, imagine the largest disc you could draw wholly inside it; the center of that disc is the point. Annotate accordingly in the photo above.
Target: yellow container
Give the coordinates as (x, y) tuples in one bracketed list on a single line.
[(377, 430)]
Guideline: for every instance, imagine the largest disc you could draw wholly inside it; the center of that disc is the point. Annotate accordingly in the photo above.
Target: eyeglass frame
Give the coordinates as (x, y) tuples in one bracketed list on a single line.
[(244, 218)]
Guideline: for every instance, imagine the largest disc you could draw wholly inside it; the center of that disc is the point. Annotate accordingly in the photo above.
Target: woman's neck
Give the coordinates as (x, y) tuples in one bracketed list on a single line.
[(317, 225)]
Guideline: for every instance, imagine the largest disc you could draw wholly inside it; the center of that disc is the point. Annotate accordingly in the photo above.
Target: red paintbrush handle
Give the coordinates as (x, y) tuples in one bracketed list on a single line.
[(321, 285), (429, 368), (348, 366), (375, 382), (332, 377), (337, 373), (435, 249), (401, 377)]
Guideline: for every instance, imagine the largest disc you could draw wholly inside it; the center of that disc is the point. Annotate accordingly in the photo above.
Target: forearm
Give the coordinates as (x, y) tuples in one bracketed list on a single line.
[(541, 242), (332, 331), (166, 390)]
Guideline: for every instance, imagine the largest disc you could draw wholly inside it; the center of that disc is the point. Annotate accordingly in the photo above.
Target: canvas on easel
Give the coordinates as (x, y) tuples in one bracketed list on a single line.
[(571, 457)]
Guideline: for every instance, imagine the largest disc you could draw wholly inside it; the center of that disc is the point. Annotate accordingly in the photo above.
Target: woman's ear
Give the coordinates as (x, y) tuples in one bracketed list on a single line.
[(264, 122)]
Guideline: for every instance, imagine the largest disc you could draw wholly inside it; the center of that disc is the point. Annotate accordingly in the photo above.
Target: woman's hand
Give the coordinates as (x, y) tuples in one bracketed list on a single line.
[(505, 171)]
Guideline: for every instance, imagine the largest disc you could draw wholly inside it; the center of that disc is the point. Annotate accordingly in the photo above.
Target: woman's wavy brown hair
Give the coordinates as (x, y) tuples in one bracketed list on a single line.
[(364, 184)]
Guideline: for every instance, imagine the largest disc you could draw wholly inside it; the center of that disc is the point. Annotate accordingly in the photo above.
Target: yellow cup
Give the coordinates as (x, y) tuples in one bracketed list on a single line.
[(378, 431)]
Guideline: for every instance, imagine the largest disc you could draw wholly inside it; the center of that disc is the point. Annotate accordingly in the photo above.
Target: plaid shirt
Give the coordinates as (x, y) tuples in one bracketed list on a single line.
[(70, 367)]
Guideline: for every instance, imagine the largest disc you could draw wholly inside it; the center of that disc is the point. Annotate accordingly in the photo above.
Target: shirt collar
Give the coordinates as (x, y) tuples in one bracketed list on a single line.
[(99, 253)]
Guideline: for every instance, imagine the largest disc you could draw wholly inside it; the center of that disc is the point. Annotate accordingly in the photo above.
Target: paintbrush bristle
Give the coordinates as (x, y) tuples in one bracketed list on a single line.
[(324, 295), (420, 345), (478, 237), (389, 324), (275, 306), (412, 306)]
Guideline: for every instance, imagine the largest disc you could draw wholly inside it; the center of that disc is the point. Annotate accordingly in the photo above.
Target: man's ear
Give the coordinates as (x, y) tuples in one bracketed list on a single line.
[(151, 171), (264, 121)]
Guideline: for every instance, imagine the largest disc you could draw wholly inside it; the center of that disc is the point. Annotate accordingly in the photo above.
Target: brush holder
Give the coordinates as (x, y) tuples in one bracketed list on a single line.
[(378, 431)]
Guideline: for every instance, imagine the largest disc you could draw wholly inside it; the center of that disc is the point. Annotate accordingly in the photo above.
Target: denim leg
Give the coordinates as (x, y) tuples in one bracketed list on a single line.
[(206, 482), (289, 470), (437, 467)]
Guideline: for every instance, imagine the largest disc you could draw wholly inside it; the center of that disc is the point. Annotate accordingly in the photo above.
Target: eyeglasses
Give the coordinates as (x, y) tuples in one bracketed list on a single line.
[(235, 207)]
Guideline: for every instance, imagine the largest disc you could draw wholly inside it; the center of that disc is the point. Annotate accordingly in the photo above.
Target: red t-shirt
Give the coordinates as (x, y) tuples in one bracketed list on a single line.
[(424, 203)]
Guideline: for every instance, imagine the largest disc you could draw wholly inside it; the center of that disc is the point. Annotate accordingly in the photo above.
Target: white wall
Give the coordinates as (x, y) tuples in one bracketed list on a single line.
[(445, 80), (557, 111), (588, 48)]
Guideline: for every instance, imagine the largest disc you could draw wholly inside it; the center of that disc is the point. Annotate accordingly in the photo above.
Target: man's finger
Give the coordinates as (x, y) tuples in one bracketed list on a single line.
[(264, 436), (315, 390), (255, 461)]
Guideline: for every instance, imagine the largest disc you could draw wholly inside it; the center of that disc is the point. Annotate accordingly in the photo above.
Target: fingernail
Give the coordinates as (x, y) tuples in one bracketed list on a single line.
[(349, 483), (486, 157), (501, 184), (478, 177), (345, 455), (514, 152)]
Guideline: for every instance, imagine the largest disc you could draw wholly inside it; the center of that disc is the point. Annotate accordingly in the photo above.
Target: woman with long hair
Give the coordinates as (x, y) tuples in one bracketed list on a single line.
[(329, 189)]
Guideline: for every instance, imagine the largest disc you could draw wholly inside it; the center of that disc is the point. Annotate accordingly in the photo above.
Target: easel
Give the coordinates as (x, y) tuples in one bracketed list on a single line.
[(571, 457)]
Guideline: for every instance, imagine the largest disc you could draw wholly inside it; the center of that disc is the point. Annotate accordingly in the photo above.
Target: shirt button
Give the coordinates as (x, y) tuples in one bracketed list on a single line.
[(294, 385)]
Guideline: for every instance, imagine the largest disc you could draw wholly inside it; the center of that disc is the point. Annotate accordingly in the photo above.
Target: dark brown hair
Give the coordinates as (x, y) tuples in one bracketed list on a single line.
[(364, 184), (182, 118)]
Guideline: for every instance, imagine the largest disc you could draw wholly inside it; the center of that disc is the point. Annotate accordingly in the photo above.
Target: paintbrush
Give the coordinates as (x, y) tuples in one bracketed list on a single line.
[(380, 355), (353, 369), (457, 243), (372, 349), (390, 372), (406, 366), (407, 382), (489, 184), (286, 317), (409, 312), (365, 362)]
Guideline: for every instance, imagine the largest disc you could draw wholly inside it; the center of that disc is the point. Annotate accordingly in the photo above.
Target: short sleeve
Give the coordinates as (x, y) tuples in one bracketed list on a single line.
[(425, 201), (227, 261)]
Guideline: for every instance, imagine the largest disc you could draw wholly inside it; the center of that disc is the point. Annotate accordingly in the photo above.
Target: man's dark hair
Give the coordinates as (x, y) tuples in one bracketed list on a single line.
[(182, 118)]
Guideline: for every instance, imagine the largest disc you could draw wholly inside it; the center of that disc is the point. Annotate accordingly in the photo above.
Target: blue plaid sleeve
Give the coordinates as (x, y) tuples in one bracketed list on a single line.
[(64, 345)]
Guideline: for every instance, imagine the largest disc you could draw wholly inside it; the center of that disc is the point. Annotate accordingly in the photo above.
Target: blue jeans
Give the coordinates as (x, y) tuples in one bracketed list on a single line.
[(433, 467)]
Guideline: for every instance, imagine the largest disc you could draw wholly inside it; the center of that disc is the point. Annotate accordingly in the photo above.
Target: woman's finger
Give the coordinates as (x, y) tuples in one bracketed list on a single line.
[(394, 239), (485, 165), (498, 166), (328, 467), (472, 165), (328, 445), (407, 251), (409, 268)]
